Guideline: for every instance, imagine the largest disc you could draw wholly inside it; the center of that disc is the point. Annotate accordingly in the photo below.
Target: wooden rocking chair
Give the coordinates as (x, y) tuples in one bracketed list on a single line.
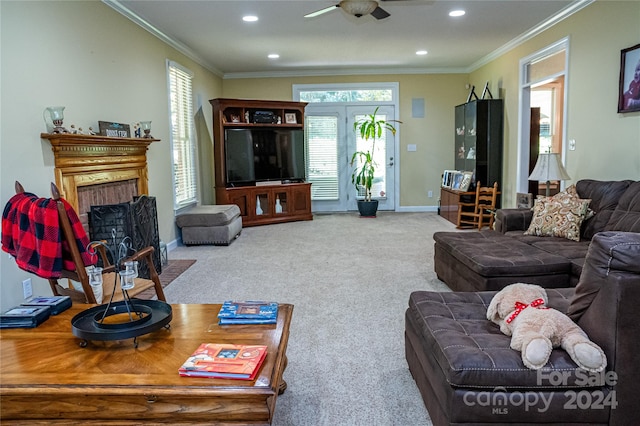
[(483, 208), (109, 271)]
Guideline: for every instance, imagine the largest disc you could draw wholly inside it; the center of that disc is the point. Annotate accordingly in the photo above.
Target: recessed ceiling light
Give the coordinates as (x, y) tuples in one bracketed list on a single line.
[(456, 13), (250, 18), (421, 52), (273, 56)]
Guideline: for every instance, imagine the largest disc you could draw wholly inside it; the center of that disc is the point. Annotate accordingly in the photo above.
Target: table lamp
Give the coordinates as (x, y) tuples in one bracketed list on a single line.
[(548, 168)]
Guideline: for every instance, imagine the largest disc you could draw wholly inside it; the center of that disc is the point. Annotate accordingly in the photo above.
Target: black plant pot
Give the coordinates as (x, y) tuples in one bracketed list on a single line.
[(368, 208)]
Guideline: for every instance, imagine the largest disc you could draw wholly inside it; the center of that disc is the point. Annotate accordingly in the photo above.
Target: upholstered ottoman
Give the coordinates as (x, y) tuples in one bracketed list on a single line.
[(489, 260), (215, 224)]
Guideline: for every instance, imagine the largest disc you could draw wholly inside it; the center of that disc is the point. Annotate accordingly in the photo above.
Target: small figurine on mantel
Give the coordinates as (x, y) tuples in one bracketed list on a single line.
[(136, 130), (91, 132), (73, 130)]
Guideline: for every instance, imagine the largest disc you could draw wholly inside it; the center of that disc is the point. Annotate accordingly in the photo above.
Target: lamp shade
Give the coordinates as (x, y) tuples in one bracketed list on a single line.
[(549, 167)]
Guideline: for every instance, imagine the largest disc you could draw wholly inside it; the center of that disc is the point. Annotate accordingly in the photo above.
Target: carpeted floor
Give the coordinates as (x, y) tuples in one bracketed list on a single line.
[(349, 279)]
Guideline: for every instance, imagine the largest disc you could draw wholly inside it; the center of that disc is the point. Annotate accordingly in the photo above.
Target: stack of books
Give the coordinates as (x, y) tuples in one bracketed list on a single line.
[(34, 312), (224, 361), (248, 312)]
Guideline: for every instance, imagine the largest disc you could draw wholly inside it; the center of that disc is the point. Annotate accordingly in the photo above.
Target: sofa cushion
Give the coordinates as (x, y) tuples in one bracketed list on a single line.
[(626, 216), (604, 197), (211, 215), (558, 217), (489, 253), (470, 350)]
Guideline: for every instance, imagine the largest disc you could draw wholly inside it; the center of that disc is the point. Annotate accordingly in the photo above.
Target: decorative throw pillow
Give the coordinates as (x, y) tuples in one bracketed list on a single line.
[(558, 217)]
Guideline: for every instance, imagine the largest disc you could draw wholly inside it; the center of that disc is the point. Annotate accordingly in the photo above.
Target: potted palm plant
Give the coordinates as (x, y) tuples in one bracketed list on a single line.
[(370, 128)]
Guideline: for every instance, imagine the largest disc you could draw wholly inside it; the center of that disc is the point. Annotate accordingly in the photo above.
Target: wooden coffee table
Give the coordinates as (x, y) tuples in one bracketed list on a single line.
[(47, 377)]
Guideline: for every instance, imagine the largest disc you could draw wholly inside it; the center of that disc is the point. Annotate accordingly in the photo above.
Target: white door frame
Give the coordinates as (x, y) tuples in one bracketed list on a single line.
[(522, 166), (393, 86)]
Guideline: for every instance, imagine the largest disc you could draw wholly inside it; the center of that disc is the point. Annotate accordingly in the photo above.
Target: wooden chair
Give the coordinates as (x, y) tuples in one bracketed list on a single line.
[(483, 207), (108, 275)]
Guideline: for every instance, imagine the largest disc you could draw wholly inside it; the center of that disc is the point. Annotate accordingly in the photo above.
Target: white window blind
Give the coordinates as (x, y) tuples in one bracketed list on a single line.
[(182, 135), (321, 133)]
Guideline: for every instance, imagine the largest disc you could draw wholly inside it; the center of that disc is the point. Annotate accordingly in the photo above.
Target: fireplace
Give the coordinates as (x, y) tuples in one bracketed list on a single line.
[(92, 170)]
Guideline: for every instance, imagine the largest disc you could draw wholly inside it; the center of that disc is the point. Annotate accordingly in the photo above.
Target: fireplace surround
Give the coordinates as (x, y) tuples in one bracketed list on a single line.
[(96, 170)]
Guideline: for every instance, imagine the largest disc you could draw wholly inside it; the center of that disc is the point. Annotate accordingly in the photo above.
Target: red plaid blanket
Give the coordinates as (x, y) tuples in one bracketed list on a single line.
[(31, 233)]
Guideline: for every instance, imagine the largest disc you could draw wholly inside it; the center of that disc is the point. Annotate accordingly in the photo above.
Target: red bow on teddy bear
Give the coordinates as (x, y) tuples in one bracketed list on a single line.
[(522, 306)]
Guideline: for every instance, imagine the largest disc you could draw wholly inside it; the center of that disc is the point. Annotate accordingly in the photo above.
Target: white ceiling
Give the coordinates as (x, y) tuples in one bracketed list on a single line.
[(212, 33)]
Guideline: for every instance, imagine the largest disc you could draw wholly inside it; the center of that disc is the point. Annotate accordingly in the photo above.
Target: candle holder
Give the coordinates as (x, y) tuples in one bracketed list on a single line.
[(146, 128), (53, 118), (125, 319)]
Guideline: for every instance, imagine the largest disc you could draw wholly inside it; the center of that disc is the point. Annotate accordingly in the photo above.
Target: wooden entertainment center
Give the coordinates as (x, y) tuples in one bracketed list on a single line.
[(260, 202)]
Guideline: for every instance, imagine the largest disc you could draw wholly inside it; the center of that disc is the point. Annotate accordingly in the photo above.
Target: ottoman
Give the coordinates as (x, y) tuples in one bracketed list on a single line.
[(488, 260), (215, 224)]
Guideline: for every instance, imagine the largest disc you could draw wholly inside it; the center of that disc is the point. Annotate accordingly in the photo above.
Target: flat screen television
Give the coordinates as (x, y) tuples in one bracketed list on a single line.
[(259, 155)]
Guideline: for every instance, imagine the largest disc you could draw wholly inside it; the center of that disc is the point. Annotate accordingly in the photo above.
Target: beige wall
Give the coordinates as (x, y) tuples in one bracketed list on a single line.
[(607, 143), (101, 66)]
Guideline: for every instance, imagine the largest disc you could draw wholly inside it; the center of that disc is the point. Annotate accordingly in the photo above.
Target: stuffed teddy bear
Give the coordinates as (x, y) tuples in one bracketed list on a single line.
[(535, 329)]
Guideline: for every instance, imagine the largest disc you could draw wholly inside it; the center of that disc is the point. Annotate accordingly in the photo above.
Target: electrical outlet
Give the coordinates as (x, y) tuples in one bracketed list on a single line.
[(27, 289), (430, 194)]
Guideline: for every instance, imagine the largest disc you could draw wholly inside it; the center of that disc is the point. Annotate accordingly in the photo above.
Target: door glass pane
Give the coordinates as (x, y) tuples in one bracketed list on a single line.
[(378, 189), (321, 133)]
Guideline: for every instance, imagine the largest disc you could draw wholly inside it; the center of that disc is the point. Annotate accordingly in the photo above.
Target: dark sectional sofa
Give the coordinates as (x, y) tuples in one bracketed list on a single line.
[(467, 373), (492, 259)]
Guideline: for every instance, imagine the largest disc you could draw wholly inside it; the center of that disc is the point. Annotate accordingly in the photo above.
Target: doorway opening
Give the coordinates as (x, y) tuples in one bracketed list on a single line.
[(542, 112)]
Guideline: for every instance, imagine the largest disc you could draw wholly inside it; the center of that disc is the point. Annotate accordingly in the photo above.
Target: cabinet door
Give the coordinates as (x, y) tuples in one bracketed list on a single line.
[(241, 199), (461, 150), (263, 202), (300, 199), (470, 138), (281, 206)]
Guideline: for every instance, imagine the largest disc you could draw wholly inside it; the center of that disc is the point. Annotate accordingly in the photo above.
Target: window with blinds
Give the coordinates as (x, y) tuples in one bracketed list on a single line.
[(321, 134), (182, 135)]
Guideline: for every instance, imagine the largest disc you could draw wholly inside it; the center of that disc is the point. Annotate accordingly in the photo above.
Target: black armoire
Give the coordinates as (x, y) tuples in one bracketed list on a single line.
[(479, 139)]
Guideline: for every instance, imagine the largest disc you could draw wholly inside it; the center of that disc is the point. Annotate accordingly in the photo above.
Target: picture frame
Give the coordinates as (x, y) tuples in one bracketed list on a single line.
[(290, 118), (466, 181), (447, 178), (117, 130), (524, 200), (457, 181), (629, 89)]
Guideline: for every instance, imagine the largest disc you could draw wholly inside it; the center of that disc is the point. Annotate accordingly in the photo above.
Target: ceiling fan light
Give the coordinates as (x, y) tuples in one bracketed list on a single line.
[(358, 8)]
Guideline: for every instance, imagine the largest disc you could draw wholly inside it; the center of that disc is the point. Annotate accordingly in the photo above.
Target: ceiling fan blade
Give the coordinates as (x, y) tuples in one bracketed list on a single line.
[(321, 11), (380, 13)]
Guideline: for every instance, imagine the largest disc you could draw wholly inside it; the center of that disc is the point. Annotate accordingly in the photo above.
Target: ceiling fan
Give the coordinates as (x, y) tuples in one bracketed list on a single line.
[(356, 8)]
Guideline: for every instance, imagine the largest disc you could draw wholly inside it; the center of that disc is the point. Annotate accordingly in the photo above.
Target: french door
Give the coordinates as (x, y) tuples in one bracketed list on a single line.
[(331, 141)]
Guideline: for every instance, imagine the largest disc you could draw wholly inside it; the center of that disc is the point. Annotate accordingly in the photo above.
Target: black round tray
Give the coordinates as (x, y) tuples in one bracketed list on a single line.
[(86, 325)]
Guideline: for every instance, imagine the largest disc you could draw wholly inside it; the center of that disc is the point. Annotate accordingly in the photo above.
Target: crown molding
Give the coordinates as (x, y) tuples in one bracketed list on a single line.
[(180, 47), (343, 71), (531, 33)]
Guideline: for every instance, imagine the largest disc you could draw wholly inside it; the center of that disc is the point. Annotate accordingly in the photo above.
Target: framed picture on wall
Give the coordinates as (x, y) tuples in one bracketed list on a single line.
[(629, 92)]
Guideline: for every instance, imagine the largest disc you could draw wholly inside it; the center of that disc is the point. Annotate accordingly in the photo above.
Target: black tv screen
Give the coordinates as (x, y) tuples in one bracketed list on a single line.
[(254, 155)]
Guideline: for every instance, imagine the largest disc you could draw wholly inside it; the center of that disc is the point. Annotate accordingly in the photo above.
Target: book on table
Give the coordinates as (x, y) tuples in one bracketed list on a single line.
[(56, 304), (224, 361), (248, 312), (24, 316)]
